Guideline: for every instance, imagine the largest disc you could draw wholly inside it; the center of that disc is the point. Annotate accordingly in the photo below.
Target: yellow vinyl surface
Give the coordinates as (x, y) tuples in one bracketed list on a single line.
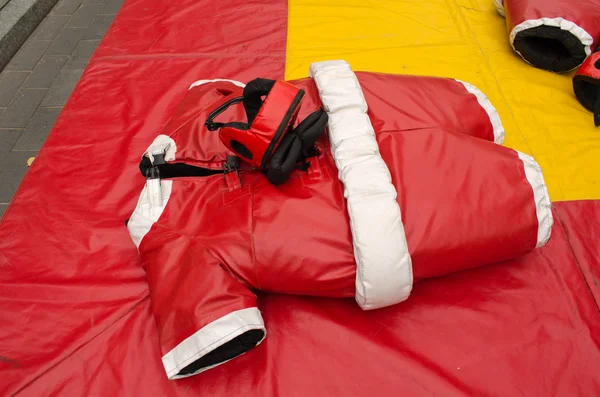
[(467, 40)]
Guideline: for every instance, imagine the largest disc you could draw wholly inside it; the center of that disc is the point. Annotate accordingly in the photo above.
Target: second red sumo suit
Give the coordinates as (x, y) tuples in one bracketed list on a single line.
[(555, 35), (410, 182)]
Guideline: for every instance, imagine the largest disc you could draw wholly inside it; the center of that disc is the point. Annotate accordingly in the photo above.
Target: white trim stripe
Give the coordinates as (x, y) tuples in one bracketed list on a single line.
[(583, 36), (145, 214), (162, 144), (499, 132), (201, 82), (210, 337), (384, 268), (499, 4), (154, 196), (543, 207)]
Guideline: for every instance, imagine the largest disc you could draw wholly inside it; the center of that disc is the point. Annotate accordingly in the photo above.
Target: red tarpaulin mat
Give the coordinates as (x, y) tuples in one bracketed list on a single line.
[(74, 307)]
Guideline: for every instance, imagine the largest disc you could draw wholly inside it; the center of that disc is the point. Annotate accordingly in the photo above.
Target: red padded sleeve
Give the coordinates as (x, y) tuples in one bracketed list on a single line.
[(204, 315)]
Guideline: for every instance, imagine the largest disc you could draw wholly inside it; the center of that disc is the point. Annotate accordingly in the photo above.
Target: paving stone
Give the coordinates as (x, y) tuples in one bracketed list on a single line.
[(98, 28), (21, 109), (65, 7), (8, 138), (12, 171), (38, 129), (66, 38), (10, 82), (61, 88), (18, 19), (3, 209), (50, 27), (66, 41), (112, 7), (81, 55), (46, 70), (29, 55), (85, 15)]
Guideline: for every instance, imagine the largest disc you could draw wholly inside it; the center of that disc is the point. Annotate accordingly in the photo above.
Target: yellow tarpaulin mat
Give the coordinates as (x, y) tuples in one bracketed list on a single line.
[(467, 40)]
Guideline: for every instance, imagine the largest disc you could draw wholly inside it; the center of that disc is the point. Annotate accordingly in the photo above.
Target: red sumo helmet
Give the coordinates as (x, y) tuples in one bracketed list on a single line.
[(268, 120), (267, 140)]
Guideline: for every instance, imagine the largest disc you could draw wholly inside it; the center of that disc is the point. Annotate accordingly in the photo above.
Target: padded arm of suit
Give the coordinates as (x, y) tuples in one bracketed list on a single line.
[(185, 281), (554, 35)]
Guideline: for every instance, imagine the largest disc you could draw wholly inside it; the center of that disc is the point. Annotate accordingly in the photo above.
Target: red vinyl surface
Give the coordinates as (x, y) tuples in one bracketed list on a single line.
[(581, 223), (74, 308), (69, 268), (527, 327)]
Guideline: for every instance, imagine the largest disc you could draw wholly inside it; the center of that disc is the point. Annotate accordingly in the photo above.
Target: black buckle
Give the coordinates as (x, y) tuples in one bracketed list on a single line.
[(231, 164), (152, 173)]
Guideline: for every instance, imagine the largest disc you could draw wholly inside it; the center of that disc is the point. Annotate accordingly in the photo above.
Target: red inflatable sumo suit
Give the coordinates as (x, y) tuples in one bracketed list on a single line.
[(555, 35), (410, 182)]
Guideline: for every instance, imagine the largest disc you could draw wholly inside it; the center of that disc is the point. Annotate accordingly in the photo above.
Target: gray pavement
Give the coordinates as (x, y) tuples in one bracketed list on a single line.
[(39, 79), (18, 19)]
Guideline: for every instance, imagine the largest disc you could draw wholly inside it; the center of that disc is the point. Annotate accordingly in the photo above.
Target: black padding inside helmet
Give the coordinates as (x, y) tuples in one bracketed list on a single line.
[(311, 128), (550, 48), (253, 93), (284, 159), (296, 146)]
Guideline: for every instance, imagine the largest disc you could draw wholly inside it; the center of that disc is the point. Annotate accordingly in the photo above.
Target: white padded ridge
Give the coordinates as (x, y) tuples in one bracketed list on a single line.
[(383, 263)]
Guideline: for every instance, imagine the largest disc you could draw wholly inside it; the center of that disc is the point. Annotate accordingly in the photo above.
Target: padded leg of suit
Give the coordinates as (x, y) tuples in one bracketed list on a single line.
[(465, 202)]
